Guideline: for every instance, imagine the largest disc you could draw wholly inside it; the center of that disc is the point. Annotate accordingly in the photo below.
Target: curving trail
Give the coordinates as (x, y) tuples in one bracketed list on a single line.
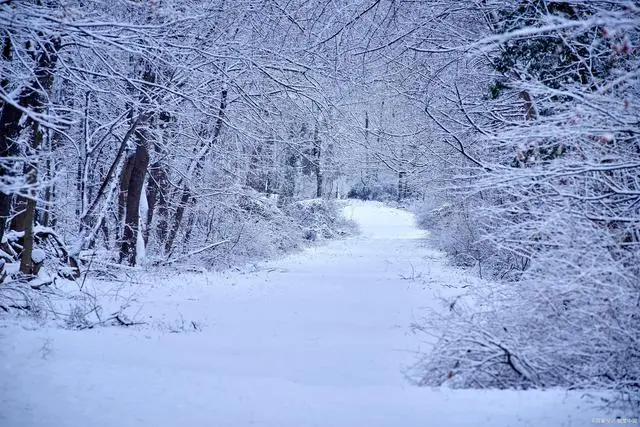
[(319, 338)]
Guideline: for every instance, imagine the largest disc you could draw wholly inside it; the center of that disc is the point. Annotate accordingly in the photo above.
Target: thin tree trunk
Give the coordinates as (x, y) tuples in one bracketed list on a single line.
[(83, 162), (26, 261), (194, 170), (288, 189), (156, 186), (49, 192), (112, 173), (529, 108), (177, 219), (25, 219), (402, 186), (317, 154)]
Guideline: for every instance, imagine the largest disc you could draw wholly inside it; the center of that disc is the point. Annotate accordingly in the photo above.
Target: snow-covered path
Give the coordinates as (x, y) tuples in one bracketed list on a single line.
[(319, 338)]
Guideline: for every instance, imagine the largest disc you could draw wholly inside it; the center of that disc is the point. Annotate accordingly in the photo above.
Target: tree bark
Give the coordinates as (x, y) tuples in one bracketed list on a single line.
[(128, 251), (26, 261), (177, 219), (317, 154), (32, 97), (529, 108), (8, 119), (156, 187), (125, 179), (402, 186), (288, 188)]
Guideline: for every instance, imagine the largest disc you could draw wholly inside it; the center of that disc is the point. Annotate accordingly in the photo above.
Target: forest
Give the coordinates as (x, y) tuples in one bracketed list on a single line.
[(189, 135)]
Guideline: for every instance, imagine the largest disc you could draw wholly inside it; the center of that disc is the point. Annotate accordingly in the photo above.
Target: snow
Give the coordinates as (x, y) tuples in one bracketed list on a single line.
[(38, 256), (319, 338), (143, 210)]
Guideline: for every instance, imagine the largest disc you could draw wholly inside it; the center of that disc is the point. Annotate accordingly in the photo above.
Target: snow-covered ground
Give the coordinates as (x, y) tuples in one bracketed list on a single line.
[(320, 338)]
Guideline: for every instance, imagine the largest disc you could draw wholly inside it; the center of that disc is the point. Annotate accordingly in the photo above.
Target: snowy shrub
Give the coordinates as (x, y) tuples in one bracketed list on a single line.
[(458, 227), (452, 230), (575, 328), (548, 199), (77, 317), (320, 219), (373, 191), (16, 296), (254, 227)]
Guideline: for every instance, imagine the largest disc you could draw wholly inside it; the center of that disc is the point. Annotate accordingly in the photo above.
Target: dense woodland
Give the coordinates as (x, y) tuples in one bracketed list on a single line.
[(155, 132)]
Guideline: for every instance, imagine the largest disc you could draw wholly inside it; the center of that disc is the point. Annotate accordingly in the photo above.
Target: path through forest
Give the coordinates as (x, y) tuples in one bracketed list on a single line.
[(319, 338)]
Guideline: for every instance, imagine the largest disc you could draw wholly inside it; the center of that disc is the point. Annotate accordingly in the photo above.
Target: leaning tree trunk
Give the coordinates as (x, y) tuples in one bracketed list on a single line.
[(87, 220), (177, 219)]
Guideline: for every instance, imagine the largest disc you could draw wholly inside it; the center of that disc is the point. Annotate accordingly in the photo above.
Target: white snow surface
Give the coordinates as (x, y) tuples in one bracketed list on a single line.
[(319, 338), (38, 256)]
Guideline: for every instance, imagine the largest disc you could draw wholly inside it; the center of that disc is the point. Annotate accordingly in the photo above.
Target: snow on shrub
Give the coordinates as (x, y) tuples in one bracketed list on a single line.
[(253, 227), (320, 219), (568, 319)]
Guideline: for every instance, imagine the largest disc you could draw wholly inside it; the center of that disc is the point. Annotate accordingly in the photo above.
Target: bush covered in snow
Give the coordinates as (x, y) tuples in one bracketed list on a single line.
[(545, 203), (320, 219), (374, 190), (253, 227)]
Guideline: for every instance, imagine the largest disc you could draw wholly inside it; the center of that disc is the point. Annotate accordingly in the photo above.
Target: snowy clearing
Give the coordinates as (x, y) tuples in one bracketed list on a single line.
[(320, 338)]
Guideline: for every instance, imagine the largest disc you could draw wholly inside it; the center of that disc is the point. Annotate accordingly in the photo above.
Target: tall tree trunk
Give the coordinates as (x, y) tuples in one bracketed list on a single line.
[(8, 120), (125, 179), (7, 49), (402, 186), (317, 154), (9, 131), (83, 161), (32, 97), (319, 183), (189, 229), (157, 184), (288, 188), (25, 219), (133, 176), (134, 191)]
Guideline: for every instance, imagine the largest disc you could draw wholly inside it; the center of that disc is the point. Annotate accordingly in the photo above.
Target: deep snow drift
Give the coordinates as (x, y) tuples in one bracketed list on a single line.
[(319, 338)]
